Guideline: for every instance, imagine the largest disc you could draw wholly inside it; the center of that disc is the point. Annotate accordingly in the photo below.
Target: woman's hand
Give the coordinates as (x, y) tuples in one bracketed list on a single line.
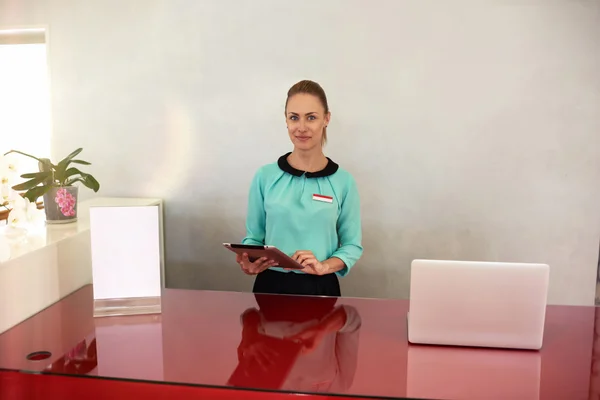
[(310, 263), (253, 351), (255, 355), (256, 267), (310, 338)]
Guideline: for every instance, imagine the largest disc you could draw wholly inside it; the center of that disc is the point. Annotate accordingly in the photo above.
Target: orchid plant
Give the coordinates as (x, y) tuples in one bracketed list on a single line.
[(54, 175)]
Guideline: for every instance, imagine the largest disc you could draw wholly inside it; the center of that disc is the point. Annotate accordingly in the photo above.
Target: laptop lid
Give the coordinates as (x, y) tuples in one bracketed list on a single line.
[(480, 304)]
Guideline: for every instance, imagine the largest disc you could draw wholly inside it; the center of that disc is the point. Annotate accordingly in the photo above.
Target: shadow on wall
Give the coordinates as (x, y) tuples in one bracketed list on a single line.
[(196, 259), (194, 255), (378, 272), (222, 276), (384, 270)]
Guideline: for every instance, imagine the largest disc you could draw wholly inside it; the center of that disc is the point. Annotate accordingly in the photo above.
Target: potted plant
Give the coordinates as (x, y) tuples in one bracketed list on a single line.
[(56, 183)]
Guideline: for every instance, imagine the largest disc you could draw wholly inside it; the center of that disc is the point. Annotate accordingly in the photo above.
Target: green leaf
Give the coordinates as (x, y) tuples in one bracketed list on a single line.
[(64, 163), (81, 162), (30, 183), (45, 165), (36, 192), (72, 171), (37, 175), (71, 181), (20, 152), (73, 154), (91, 183), (88, 181)]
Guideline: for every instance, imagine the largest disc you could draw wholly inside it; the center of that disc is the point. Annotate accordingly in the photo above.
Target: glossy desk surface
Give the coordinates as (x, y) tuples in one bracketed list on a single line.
[(352, 347)]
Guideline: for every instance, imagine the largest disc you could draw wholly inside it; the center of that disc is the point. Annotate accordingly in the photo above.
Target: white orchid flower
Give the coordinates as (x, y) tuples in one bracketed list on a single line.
[(8, 175), (16, 200), (8, 167), (34, 216), (9, 197), (9, 163), (4, 188), (17, 218), (4, 194), (24, 213)]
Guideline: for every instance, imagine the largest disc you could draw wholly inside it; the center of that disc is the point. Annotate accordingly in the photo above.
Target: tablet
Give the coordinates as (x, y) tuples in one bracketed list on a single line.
[(271, 252)]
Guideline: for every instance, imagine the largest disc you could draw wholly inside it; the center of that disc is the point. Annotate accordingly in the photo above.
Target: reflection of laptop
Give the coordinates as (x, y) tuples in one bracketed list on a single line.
[(480, 304), (436, 372)]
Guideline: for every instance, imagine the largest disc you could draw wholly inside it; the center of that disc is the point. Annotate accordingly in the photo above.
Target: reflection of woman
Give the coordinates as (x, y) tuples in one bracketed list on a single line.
[(298, 344)]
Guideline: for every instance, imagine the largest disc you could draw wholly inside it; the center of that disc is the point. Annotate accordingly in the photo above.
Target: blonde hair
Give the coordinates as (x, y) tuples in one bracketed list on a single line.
[(310, 87)]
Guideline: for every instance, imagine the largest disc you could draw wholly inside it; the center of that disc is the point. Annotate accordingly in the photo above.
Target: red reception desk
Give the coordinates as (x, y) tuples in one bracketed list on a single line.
[(227, 345)]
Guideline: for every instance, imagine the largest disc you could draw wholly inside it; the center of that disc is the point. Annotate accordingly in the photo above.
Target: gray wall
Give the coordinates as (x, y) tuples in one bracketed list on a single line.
[(472, 127)]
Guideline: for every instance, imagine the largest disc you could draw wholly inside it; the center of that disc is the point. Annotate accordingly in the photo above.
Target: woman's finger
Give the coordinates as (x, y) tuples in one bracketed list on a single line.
[(246, 266), (307, 259), (266, 264), (300, 253), (256, 266), (260, 261), (309, 263)]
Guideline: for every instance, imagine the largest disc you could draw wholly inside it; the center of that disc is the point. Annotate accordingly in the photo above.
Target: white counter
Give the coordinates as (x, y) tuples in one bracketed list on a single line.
[(50, 262)]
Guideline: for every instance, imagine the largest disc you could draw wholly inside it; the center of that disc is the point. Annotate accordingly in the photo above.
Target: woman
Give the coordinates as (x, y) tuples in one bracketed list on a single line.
[(305, 205)]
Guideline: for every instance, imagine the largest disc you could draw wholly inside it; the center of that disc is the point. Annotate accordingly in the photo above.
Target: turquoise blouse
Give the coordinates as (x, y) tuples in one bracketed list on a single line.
[(296, 210)]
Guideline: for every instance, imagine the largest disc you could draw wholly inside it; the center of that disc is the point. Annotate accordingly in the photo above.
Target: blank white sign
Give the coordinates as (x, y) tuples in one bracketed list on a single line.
[(125, 245)]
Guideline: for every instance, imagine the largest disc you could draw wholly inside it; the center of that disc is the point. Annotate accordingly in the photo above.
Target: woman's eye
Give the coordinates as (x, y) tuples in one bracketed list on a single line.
[(293, 118), (312, 118)]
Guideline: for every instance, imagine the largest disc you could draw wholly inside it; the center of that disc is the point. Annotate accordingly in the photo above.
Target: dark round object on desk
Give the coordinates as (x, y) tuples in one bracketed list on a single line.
[(38, 356)]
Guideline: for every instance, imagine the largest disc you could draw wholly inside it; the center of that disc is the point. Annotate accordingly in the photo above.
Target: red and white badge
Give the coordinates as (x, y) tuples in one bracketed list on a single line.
[(325, 199)]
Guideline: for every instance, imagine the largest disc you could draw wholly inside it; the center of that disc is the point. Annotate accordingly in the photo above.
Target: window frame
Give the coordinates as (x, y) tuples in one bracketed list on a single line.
[(29, 34)]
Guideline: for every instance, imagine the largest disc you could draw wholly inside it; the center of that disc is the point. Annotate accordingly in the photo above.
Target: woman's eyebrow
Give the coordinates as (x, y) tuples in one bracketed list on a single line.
[(308, 113)]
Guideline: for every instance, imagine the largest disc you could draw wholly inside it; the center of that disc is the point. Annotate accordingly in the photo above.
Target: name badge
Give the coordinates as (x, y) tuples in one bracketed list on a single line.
[(320, 197)]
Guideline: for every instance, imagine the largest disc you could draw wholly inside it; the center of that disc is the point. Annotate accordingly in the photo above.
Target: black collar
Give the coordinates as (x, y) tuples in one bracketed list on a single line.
[(330, 169)]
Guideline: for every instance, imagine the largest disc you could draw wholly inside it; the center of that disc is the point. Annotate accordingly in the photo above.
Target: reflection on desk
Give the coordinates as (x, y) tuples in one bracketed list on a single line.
[(208, 338), (81, 360), (311, 347), (444, 372)]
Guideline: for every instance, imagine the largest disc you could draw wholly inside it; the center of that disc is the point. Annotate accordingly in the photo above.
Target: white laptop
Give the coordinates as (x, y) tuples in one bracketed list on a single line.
[(478, 304)]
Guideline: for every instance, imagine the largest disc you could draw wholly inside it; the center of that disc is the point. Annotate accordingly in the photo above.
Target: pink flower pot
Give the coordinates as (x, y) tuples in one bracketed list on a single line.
[(60, 204)]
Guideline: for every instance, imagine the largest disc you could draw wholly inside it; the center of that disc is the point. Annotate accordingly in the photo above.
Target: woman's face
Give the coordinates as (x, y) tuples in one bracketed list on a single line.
[(306, 118)]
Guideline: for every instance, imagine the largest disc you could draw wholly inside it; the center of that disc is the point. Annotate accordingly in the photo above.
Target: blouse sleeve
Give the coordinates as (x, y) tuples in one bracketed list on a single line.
[(346, 350), (349, 230), (256, 216)]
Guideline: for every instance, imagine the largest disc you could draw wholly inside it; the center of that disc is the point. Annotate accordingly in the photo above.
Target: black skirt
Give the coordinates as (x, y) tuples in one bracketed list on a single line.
[(275, 282)]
